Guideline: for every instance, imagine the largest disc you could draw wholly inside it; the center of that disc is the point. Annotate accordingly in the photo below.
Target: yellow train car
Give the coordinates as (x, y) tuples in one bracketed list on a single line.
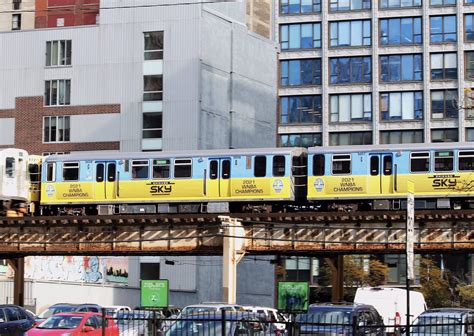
[(161, 182), (376, 177)]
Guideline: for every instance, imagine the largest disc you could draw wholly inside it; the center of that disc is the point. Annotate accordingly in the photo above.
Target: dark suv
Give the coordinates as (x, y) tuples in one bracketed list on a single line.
[(340, 319), (68, 308), (14, 320)]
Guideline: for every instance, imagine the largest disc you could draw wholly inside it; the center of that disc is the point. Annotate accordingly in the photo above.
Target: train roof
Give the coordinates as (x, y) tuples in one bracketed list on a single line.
[(392, 148), (175, 154)]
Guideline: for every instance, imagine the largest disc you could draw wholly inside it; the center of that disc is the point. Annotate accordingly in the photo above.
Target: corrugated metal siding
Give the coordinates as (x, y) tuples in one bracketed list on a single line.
[(7, 131), (181, 275), (95, 127)]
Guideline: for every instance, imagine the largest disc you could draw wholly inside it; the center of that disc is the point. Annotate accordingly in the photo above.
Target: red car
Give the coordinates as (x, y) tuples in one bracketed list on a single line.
[(74, 324)]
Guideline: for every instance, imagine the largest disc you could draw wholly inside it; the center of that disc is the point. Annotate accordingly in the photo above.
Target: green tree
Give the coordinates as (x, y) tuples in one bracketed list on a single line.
[(466, 295), (434, 284)]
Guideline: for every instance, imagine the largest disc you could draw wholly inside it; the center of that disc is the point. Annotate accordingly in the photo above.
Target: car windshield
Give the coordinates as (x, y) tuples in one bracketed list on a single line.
[(196, 327), (437, 325), (55, 310), (196, 310), (326, 316), (61, 322)]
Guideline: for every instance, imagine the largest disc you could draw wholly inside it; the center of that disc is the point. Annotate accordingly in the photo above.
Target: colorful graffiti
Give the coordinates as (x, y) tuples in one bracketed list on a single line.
[(77, 269)]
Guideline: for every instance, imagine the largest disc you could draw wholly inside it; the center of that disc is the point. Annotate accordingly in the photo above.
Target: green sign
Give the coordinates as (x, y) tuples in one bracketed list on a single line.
[(154, 293), (293, 296)]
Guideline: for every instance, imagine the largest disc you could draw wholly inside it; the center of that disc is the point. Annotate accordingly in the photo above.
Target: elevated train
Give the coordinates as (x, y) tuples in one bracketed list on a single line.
[(244, 180)]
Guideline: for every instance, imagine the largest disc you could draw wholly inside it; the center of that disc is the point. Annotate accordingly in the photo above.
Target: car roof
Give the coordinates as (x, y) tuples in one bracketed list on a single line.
[(345, 306), (237, 315), (77, 314), (447, 312)]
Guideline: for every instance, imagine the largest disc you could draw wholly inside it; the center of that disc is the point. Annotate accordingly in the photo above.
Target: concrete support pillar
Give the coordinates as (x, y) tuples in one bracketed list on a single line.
[(336, 263), (18, 265), (233, 242)]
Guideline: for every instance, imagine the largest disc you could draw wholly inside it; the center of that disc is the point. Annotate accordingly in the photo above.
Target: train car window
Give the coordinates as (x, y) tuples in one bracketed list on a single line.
[(387, 165), (213, 170), (260, 166), (420, 162), (226, 169), (161, 169), (9, 167), (278, 165), (71, 171), (374, 165), (182, 168), (111, 172), (127, 166), (341, 164), (50, 172), (466, 161), (318, 164), (99, 172), (444, 161), (140, 169), (34, 172)]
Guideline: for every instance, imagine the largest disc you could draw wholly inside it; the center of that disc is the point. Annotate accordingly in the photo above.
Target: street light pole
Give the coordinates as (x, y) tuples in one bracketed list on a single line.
[(410, 253)]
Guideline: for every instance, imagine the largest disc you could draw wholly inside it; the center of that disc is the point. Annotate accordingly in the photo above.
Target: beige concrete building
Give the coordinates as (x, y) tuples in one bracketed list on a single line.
[(260, 17), (17, 14)]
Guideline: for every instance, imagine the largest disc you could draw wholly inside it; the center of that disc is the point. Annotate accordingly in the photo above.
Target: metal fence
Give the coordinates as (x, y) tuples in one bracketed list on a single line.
[(226, 323)]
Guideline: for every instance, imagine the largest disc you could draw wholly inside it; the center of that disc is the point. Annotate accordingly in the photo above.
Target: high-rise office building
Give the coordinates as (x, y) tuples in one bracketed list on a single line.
[(356, 72)]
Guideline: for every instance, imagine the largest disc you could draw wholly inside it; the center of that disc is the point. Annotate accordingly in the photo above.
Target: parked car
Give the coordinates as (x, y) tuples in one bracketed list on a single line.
[(114, 310), (210, 307), (237, 323), (391, 304), (75, 323), (67, 307), (14, 320), (274, 319), (340, 319), (444, 321), (138, 322)]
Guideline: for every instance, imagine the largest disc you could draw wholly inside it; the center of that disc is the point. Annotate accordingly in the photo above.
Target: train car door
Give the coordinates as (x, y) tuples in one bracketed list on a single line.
[(106, 176), (218, 184), (381, 173), (11, 176)]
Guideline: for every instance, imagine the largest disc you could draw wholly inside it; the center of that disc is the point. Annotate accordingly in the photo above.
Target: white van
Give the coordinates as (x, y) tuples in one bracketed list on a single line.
[(391, 303)]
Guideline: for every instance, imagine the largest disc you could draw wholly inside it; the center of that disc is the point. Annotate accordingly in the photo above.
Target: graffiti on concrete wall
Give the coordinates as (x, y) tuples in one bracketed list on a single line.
[(76, 269)]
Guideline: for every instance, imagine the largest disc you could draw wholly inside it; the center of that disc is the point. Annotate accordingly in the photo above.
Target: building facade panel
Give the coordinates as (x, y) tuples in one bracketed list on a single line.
[(7, 131), (95, 128)]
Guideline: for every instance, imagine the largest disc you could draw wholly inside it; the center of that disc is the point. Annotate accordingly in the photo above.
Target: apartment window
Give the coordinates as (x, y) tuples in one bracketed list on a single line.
[(300, 109), (350, 70), (16, 4), (350, 138), (444, 66), (444, 135), (470, 134), (401, 105), (301, 140), (16, 21), (300, 6), (469, 64), (58, 53), (401, 137), (300, 36), (399, 3), (443, 29), (153, 45), (442, 2), (444, 104), (301, 72), (351, 107), (400, 31), (56, 129), (347, 5), (396, 68), (469, 27), (152, 87), (57, 92), (152, 125), (350, 33)]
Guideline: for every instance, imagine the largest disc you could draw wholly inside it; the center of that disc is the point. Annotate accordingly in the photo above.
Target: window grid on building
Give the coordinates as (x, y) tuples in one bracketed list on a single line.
[(57, 92), (56, 129), (58, 53)]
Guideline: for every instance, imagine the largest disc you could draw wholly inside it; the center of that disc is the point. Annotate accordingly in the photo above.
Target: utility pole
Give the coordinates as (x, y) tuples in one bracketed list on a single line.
[(410, 242), (233, 243)]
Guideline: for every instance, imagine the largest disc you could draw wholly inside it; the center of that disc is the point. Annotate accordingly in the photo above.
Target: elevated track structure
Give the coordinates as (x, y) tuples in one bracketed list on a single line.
[(331, 234)]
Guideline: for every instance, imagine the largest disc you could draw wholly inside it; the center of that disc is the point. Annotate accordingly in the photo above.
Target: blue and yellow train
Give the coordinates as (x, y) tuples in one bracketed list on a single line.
[(264, 180)]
